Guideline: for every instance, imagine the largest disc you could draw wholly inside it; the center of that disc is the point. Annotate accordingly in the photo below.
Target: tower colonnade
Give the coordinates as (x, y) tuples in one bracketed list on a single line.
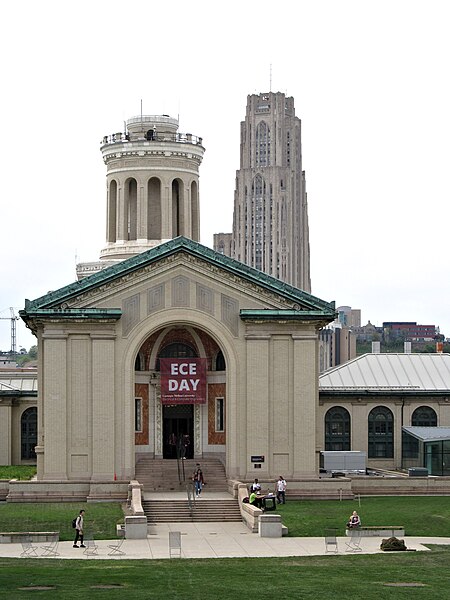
[(144, 211), (152, 188)]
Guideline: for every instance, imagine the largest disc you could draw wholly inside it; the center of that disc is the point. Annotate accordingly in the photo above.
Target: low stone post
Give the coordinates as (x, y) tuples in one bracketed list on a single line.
[(136, 527), (270, 526)]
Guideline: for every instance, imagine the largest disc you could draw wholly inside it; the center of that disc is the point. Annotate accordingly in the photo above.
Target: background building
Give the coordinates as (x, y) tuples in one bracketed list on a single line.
[(366, 403), (408, 332), (270, 218)]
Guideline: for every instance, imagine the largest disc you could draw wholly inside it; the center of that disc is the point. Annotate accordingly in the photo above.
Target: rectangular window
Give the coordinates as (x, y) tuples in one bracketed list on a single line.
[(220, 416), (138, 415)]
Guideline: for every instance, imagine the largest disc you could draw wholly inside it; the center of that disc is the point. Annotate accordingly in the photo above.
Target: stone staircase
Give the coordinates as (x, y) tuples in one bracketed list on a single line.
[(177, 511), (161, 475)]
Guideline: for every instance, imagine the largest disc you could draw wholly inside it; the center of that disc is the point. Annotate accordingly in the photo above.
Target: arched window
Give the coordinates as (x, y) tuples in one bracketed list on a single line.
[(131, 208), (381, 433), (154, 209), (220, 361), (28, 428), (424, 416), (176, 350), (337, 429), (178, 216)]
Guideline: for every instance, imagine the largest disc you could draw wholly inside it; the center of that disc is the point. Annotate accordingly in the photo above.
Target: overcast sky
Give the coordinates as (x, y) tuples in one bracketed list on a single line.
[(370, 83)]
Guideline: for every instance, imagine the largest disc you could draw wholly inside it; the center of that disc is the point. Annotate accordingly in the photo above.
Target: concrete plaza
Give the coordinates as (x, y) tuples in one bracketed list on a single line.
[(217, 540)]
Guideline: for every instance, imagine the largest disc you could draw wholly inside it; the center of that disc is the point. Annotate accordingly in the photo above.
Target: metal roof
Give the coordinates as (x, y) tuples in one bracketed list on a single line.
[(390, 372), (429, 434)]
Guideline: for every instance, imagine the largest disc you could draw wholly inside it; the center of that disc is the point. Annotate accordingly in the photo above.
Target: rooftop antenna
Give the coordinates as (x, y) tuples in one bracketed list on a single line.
[(270, 86)]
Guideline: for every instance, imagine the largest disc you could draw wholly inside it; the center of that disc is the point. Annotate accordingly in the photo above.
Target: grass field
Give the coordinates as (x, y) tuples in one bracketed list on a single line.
[(17, 471), (427, 516), (100, 519), (371, 577)]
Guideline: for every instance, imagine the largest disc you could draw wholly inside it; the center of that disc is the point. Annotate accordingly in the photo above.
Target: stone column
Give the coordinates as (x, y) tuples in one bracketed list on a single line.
[(257, 379), (142, 213), (306, 396), (5, 433), (166, 212), (281, 409), (122, 215), (187, 208), (103, 408), (54, 404)]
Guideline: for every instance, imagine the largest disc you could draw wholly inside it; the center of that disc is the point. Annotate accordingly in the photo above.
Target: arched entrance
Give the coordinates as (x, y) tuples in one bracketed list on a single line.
[(189, 424)]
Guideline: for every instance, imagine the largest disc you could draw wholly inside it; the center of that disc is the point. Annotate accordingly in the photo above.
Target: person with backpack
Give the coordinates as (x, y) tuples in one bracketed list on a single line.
[(78, 523)]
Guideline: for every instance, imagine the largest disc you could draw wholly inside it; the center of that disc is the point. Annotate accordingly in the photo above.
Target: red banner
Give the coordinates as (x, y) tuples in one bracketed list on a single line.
[(183, 380)]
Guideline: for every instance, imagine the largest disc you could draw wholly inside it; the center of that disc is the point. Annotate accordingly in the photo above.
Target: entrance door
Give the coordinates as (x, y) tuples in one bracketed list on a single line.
[(178, 429)]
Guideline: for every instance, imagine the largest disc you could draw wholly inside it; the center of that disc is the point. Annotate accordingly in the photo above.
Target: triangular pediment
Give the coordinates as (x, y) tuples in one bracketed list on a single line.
[(102, 293)]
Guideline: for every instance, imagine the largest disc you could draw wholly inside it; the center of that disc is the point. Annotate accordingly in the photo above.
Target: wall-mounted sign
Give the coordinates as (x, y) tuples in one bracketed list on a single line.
[(257, 459), (183, 380)]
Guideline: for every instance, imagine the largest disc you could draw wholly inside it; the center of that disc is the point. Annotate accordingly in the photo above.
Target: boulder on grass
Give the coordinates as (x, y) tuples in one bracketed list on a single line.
[(393, 544)]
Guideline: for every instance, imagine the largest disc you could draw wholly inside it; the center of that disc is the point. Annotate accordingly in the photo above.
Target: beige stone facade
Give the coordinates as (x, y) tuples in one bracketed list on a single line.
[(100, 339)]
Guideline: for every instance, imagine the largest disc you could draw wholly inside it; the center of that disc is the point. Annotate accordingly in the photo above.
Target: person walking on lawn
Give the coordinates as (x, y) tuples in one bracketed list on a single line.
[(79, 524), (281, 490)]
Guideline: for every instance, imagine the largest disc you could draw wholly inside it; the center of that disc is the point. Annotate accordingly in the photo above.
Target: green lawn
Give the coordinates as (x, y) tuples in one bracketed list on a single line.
[(348, 577), (427, 516), (17, 471), (100, 518)]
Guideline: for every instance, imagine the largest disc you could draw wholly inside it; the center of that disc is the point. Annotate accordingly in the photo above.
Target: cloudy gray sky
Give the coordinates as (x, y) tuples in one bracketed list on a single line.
[(370, 82)]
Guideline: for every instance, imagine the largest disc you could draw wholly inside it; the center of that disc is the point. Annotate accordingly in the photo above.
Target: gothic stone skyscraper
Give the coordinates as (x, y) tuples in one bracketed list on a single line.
[(270, 220)]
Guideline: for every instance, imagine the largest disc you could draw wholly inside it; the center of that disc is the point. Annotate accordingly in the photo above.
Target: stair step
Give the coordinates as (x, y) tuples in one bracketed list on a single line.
[(177, 511)]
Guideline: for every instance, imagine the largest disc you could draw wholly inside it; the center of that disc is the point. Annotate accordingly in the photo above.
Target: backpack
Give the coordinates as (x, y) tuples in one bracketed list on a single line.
[(74, 522)]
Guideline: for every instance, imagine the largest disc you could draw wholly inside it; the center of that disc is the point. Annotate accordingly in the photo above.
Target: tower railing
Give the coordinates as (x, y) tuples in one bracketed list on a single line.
[(179, 138)]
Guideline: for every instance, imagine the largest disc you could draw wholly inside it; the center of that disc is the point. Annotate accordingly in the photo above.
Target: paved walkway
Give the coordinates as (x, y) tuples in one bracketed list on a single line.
[(218, 540)]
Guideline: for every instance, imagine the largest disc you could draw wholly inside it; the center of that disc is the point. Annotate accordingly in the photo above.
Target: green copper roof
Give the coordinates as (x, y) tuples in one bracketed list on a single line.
[(285, 315), (299, 298)]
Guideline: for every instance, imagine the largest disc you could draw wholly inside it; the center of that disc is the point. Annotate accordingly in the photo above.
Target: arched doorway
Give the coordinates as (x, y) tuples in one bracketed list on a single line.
[(178, 419), (192, 426)]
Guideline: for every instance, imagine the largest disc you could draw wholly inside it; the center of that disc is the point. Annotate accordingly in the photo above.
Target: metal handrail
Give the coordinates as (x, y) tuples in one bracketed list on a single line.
[(190, 496), (180, 462)]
